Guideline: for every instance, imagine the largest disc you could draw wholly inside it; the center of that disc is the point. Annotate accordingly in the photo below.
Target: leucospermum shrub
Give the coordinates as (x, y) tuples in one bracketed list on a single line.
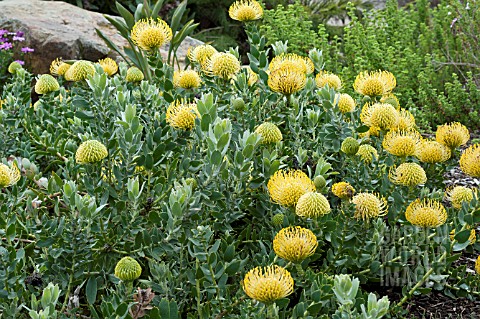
[(225, 191)]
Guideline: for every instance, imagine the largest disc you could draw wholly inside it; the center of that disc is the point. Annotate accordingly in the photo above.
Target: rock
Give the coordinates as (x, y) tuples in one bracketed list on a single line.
[(58, 29)]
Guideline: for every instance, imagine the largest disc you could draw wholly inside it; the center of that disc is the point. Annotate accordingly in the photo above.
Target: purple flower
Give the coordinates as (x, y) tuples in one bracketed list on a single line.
[(2, 32), (6, 46), (15, 38), (27, 49), (19, 34), (3, 40), (20, 62)]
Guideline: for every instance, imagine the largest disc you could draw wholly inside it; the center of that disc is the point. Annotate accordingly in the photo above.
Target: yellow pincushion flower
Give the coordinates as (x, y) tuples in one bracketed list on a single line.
[(269, 133), (472, 238), (182, 114), (46, 84), (292, 61), (452, 135), (224, 65), (14, 67), (62, 70), (432, 152), (252, 77), (367, 153), (426, 213), (390, 98), (401, 143), (109, 66), (9, 175), (79, 71), (324, 78), (458, 195), (294, 244), (369, 206), (477, 265), (312, 205), (91, 151), (149, 34), (408, 174), (134, 74), (343, 190), (58, 67), (406, 121), (286, 187), (470, 161), (245, 10), (188, 79), (374, 83), (201, 54), (287, 81), (383, 116), (345, 102), (128, 269), (267, 284)]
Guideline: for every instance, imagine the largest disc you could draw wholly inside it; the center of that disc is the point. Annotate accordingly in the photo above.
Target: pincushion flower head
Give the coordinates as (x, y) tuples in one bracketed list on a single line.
[(201, 54), (367, 153), (470, 161), (187, 79), (128, 269), (58, 67), (325, 78), (134, 74), (277, 219), (181, 114), (383, 116), (245, 10), (345, 103), (80, 70), (350, 146), (13, 67), (369, 206), (46, 84), (150, 34), (408, 174), (374, 83), (224, 65), (287, 81), (406, 121), (9, 175), (452, 135), (252, 77), (292, 61), (432, 152), (294, 244), (286, 187), (459, 195), (269, 133), (267, 284), (401, 143), (91, 151), (426, 213), (343, 190), (109, 66), (312, 205)]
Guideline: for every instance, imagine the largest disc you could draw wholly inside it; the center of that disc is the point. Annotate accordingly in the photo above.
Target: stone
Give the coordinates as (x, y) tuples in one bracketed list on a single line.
[(58, 29)]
